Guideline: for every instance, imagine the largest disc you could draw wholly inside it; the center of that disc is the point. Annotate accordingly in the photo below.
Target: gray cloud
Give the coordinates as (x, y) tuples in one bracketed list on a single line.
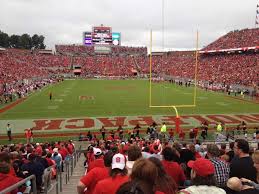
[(63, 21)]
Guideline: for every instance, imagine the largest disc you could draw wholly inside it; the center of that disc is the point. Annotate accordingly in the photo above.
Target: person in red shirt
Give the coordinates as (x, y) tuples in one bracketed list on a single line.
[(118, 176), (28, 135), (87, 183), (172, 168), (98, 162), (38, 149), (6, 178), (64, 152)]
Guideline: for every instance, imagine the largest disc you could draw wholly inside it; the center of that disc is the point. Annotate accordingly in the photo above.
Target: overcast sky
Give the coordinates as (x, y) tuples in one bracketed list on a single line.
[(63, 21)]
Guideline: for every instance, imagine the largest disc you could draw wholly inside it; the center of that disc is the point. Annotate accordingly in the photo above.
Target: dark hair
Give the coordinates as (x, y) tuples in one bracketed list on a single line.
[(134, 153), (164, 182), (169, 154), (231, 145), (207, 180), (5, 157), (243, 145), (223, 146), (108, 158), (4, 167), (116, 171), (135, 187)]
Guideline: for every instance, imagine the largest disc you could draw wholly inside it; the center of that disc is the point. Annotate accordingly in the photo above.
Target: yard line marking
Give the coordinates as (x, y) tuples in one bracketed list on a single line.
[(222, 103), (52, 107)]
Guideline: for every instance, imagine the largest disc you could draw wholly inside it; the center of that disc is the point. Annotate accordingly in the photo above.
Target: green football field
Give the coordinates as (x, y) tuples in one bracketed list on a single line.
[(95, 98)]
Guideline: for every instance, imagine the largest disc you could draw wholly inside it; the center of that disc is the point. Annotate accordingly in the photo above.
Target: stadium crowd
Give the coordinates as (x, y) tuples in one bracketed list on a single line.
[(238, 68), (22, 160), (89, 50), (136, 165), (236, 39)]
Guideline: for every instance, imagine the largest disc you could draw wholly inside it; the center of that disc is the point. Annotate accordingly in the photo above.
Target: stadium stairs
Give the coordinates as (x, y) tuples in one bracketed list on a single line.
[(70, 186)]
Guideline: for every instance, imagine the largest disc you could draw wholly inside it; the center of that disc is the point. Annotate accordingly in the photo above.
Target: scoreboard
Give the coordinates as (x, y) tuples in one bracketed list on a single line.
[(101, 35)]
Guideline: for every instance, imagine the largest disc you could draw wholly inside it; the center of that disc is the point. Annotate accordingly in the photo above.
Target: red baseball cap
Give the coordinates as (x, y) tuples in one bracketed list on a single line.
[(202, 167)]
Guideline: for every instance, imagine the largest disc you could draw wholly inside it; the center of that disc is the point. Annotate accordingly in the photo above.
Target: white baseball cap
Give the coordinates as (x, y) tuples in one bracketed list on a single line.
[(97, 151), (118, 161)]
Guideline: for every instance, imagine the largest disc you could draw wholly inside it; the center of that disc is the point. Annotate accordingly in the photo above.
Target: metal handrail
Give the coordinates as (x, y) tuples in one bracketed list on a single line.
[(20, 183)]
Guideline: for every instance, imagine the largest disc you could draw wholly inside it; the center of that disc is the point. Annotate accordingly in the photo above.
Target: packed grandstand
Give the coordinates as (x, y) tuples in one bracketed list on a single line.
[(135, 165), (230, 60)]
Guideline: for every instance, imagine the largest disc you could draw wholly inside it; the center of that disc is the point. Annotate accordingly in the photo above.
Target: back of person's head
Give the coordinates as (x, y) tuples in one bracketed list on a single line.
[(242, 145), (164, 182), (213, 150), (5, 157), (135, 187), (235, 184), (192, 148), (158, 164), (134, 153), (118, 165), (4, 163), (144, 169), (108, 158), (168, 153)]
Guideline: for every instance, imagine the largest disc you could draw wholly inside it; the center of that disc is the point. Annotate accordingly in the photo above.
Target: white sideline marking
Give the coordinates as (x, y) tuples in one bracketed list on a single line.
[(63, 94), (58, 100)]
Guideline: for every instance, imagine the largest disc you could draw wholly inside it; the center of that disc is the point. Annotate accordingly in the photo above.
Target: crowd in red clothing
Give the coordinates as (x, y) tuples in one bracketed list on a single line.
[(17, 65), (22, 160), (236, 39), (113, 165), (89, 50)]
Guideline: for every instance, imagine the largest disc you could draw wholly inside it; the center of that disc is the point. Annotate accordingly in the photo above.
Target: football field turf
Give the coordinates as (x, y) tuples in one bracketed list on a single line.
[(95, 98), (78, 106)]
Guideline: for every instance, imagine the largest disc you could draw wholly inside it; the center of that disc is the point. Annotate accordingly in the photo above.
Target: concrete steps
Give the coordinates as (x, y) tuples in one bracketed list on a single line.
[(78, 172)]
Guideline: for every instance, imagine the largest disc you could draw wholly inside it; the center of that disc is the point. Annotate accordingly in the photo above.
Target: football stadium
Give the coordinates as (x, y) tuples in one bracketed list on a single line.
[(106, 116)]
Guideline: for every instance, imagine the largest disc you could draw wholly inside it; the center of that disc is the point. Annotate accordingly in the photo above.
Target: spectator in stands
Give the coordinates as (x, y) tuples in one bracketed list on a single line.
[(172, 168), (231, 153), (6, 179), (57, 158), (87, 183), (186, 154), (164, 182), (256, 165), (34, 167), (98, 161), (235, 186), (118, 176), (221, 168), (202, 176), (142, 180), (134, 153), (243, 166)]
